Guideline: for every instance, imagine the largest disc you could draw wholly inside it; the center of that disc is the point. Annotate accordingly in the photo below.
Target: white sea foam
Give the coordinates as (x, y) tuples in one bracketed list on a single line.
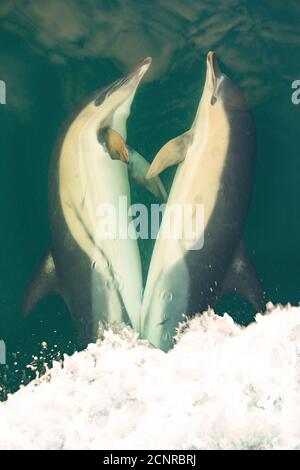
[(221, 387)]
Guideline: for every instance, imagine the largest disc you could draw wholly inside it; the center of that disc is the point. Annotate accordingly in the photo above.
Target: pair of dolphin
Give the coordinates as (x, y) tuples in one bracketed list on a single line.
[(100, 277)]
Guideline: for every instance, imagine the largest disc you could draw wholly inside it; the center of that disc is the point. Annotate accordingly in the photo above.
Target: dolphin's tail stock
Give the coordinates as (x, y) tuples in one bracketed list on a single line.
[(43, 283), (242, 279)]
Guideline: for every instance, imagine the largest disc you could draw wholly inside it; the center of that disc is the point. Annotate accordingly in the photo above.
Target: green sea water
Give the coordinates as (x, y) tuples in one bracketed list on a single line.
[(53, 54)]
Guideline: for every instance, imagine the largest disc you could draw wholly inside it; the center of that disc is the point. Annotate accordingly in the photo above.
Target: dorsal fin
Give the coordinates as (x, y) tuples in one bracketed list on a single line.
[(242, 279), (43, 283)]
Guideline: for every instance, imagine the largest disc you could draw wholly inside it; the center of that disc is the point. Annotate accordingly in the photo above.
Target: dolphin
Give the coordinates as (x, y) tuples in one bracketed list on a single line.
[(189, 272), (97, 272)]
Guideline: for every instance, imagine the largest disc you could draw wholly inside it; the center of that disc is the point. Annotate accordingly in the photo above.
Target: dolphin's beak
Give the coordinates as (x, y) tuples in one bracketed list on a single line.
[(132, 80), (213, 68), (136, 75), (142, 67), (126, 86)]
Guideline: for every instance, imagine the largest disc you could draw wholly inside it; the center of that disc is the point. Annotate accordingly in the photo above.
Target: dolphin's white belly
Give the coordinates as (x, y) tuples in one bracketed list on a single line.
[(91, 184), (197, 181)]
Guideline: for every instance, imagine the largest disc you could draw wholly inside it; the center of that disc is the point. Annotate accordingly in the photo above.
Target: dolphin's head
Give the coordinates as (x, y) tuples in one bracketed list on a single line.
[(219, 90), (220, 97), (103, 116), (117, 98)]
